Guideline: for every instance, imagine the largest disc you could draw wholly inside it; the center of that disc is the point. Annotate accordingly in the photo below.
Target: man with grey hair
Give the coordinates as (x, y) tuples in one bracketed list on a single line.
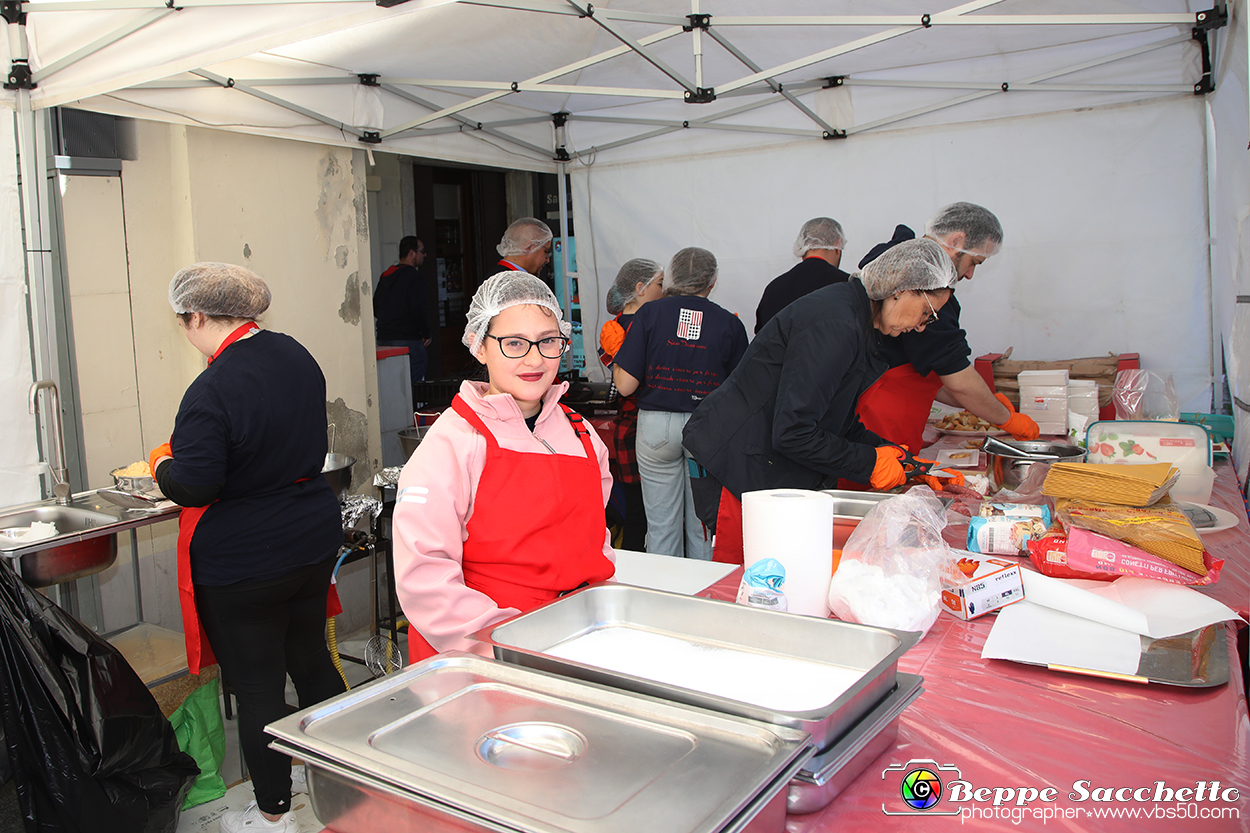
[(525, 247), (937, 359), (819, 244)]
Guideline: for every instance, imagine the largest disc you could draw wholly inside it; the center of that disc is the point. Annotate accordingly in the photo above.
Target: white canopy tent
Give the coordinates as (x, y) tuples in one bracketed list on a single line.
[(1089, 127)]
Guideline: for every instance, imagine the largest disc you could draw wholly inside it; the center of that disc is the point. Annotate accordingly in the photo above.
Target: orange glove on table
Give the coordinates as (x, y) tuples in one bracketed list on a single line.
[(1018, 425), (162, 450), (888, 472)]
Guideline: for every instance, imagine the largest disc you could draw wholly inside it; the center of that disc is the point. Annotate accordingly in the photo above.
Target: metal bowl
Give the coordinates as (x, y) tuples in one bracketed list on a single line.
[(338, 472), (1010, 462), (134, 484), (409, 439)]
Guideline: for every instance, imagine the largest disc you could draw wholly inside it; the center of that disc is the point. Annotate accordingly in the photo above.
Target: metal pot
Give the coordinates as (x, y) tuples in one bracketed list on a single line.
[(338, 472), (1010, 462), (409, 439)]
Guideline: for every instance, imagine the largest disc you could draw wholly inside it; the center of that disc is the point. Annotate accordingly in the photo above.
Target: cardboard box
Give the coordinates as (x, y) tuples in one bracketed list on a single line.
[(980, 584)]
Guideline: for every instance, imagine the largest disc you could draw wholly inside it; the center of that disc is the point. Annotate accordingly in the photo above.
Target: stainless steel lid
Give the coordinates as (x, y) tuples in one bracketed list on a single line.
[(536, 752)]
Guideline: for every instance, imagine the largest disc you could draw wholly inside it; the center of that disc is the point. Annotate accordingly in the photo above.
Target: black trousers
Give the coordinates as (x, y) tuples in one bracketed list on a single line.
[(260, 632)]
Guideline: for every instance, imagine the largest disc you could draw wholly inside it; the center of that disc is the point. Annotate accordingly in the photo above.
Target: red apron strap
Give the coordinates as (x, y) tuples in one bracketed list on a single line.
[(461, 407)]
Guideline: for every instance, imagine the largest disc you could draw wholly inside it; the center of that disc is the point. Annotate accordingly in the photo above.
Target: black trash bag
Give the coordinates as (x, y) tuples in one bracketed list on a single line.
[(89, 746)]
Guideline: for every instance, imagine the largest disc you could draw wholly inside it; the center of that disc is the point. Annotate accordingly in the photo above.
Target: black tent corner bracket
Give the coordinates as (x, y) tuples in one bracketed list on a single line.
[(371, 137), (1214, 18), (701, 95), (560, 119), (836, 134), (368, 79), (12, 12), (19, 77)]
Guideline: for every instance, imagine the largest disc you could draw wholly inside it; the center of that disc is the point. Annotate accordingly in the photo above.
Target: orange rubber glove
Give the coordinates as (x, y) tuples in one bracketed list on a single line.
[(1018, 425), (888, 472), (162, 450)]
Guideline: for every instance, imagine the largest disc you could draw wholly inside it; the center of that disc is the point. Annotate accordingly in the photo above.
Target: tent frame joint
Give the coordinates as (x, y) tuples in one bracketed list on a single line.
[(697, 21), (1214, 18), (11, 11), (368, 79), (834, 134), (926, 21), (20, 77), (835, 81), (701, 95), (371, 137)]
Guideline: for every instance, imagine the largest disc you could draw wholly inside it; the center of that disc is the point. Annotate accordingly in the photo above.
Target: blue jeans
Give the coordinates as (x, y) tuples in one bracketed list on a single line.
[(665, 469), (418, 359)]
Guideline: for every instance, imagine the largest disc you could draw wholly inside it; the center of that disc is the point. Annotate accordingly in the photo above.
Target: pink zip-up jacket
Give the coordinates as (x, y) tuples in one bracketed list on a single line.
[(435, 502)]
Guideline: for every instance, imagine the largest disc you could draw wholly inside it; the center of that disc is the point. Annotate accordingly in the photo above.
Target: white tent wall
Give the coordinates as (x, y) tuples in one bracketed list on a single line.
[(19, 456), (1231, 250), (1104, 214)]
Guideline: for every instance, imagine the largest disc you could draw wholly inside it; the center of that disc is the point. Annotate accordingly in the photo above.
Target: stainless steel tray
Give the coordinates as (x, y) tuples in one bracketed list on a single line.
[(827, 774), (751, 633), (459, 742)]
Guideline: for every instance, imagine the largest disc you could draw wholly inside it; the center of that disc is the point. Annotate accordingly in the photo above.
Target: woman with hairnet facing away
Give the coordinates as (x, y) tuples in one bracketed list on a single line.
[(261, 527), (786, 418), (500, 508), (638, 282), (678, 350)]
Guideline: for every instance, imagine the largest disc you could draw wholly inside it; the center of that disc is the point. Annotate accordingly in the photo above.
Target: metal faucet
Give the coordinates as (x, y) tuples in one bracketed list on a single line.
[(60, 474)]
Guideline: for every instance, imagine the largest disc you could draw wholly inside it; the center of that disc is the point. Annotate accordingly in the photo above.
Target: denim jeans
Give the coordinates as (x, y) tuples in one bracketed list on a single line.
[(665, 469)]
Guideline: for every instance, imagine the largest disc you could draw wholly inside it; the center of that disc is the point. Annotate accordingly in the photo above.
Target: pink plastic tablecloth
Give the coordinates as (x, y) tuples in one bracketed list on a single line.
[(1009, 726)]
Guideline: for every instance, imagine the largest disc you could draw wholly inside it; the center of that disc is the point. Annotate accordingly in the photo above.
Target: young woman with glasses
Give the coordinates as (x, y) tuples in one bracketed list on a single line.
[(501, 507)]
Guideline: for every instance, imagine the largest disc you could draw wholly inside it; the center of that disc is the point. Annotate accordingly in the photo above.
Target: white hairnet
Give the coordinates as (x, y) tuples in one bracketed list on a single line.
[(983, 234), (625, 288), (507, 289), (219, 289), (692, 271), (524, 236), (819, 233), (911, 265)]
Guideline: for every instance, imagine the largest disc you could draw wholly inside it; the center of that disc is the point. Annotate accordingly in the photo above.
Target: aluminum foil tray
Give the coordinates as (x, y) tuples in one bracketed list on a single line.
[(817, 675)]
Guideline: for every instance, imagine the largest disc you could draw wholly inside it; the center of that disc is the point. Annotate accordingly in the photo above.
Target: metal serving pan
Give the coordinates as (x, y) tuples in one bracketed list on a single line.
[(462, 743), (827, 774), (816, 675)]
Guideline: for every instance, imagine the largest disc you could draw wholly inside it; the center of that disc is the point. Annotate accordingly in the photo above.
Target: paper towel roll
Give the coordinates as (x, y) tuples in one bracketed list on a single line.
[(794, 526)]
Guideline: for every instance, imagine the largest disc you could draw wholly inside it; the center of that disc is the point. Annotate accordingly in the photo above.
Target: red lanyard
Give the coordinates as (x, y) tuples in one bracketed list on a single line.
[(240, 331)]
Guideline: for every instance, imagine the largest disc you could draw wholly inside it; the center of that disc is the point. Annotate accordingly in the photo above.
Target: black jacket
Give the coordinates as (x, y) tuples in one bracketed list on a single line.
[(807, 276), (399, 305), (786, 416)]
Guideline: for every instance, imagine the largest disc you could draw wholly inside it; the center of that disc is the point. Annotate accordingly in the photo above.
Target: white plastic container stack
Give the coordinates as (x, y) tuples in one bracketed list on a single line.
[(1044, 397), (1082, 405)]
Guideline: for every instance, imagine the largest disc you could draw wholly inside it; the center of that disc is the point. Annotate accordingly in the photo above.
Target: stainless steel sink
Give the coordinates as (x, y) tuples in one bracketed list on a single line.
[(83, 544)]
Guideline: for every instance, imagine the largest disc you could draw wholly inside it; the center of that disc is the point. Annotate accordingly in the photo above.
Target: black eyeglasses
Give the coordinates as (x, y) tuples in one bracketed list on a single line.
[(516, 347), (933, 316)]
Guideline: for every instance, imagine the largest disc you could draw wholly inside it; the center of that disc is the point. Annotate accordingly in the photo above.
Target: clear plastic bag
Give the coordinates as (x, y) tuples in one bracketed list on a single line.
[(1140, 394), (891, 567)]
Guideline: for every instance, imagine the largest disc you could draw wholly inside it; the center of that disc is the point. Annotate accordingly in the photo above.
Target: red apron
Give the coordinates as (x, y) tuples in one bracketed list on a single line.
[(897, 406), (537, 529), (509, 266), (199, 652)]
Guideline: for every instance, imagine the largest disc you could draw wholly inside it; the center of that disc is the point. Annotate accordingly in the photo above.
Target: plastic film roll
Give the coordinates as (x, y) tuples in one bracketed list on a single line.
[(794, 526)]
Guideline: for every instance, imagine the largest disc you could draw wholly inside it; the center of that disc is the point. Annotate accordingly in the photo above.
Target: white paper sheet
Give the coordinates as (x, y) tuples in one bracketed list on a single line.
[(1027, 632), (1141, 605), (1096, 625)]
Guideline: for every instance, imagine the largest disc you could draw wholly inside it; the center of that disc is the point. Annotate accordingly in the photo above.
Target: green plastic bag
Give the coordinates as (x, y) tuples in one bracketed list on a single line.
[(201, 734)]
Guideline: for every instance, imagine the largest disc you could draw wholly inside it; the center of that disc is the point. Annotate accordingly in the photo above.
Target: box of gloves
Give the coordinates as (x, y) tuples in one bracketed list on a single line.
[(1044, 398), (974, 585)]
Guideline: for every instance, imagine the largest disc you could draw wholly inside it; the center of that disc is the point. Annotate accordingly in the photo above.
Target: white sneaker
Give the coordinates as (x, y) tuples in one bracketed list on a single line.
[(299, 780), (250, 819)]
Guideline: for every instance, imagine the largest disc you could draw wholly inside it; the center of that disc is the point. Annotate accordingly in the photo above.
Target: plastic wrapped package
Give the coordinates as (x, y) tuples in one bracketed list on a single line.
[(998, 724), (90, 748), (1140, 394), (890, 571)]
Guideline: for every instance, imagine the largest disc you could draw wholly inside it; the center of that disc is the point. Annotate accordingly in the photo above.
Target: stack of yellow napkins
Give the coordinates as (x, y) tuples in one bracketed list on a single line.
[(1115, 484)]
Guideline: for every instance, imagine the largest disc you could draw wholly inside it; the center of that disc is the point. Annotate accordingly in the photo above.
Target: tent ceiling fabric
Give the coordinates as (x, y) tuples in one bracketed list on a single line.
[(456, 77)]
